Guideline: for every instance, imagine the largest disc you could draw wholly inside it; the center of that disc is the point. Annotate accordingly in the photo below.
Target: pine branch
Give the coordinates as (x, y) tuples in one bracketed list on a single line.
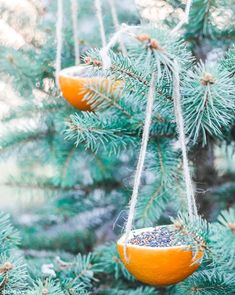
[(9, 237), (30, 110), (18, 139), (91, 129), (49, 185), (110, 262), (47, 287), (222, 241), (207, 282), (124, 70), (196, 231), (164, 163), (13, 274), (229, 61), (80, 272), (101, 95), (208, 102), (201, 24), (138, 291)]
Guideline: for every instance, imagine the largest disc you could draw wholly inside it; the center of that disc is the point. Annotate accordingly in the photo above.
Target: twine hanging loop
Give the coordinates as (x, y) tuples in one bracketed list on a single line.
[(140, 163)]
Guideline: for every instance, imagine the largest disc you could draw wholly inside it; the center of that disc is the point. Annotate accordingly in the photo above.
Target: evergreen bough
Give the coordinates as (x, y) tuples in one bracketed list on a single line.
[(92, 155)]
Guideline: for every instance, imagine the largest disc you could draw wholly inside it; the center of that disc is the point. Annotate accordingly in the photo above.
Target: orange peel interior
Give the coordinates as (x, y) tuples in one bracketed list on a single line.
[(159, 266), (73, 81)]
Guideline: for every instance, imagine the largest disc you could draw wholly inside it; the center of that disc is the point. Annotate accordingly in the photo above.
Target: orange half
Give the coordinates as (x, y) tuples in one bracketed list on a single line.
[(158, 266), (72, 82)]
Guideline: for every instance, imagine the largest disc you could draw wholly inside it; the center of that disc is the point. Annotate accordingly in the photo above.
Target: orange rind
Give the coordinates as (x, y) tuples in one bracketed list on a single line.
[(73, 81), (159, 266)]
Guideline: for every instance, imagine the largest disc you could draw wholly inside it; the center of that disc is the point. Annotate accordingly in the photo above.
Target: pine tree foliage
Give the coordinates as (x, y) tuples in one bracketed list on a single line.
[(9, 236), (13, 273), (164, 187), (207, 283), (90, 129), (138, 291), (48, 287), (208, 116), (224, 243), (93, 155), (197, 233), (213, 278), (84, 269), (206, 22), (110, 262), (228, 62)]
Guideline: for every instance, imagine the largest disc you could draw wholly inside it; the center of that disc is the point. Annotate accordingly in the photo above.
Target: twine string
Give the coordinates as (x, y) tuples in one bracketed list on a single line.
[(149, 108), (185, 18), (74, 10), (99, 15), (59, 38), (104, 52), (140, 163), (192, 209), (117, 26)]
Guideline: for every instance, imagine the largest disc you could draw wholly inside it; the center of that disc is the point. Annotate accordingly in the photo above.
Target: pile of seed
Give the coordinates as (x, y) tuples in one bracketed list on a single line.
[(81, 74), (158, 237)]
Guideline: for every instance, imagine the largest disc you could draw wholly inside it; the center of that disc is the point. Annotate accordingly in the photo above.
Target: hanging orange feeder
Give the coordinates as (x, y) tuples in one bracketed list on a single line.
[(73, 81), (158, 266)]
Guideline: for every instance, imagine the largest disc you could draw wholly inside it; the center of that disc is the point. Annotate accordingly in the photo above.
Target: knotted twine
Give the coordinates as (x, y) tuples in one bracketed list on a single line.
[(104, 52), (117, 37)]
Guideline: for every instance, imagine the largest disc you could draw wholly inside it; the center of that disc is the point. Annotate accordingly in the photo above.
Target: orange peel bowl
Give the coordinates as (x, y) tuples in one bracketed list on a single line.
[(72, 83), (159, 266)]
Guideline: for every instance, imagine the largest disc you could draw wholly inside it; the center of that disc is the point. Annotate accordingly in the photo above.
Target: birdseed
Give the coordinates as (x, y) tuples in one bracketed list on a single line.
[(158, 237)]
